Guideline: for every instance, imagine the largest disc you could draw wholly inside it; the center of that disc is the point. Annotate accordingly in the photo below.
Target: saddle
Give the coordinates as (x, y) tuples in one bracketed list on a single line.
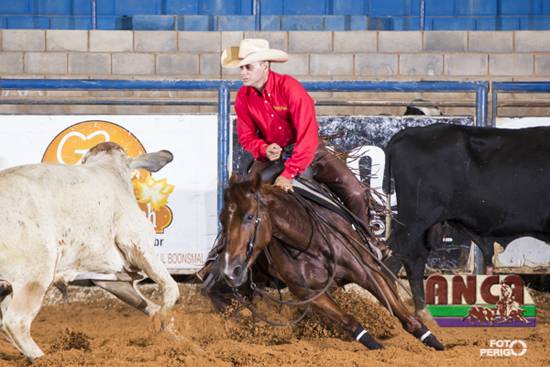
[(309, 189)]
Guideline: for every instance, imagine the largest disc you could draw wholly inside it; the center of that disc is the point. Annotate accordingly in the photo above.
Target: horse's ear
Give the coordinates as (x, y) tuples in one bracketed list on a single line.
[(233, 179), (256, 182)]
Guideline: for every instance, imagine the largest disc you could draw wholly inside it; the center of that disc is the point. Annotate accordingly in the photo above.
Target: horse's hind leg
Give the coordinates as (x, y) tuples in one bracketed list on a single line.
[(383, 290), (327, 307)]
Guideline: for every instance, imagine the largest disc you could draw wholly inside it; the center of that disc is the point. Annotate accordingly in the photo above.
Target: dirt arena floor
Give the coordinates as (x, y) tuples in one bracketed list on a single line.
[(95, 330)]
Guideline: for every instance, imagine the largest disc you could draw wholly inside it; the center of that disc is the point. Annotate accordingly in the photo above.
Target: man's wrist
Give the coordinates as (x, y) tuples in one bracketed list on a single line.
[(288, 175), (263, 150)]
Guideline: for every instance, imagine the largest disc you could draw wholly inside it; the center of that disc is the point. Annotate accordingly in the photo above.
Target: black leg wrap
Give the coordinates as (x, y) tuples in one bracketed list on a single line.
[(362, 336), (428, 338)]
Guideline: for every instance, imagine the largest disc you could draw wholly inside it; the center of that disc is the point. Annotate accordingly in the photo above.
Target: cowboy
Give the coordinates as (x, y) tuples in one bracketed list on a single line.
[(274, 111)]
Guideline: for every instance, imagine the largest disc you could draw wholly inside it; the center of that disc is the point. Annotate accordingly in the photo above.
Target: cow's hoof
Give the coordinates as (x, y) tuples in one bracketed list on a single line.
[(424, 315), (32, 357)]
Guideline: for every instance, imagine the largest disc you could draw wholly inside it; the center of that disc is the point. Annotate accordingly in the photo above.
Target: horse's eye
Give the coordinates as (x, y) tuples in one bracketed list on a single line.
[(249, 217)]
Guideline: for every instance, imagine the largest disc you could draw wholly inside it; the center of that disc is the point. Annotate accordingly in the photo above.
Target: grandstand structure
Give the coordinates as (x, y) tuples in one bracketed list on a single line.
[(363, 40), (276, 15)]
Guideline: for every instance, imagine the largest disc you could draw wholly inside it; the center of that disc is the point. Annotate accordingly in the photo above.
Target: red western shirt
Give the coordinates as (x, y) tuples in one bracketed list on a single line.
[(282, 113)]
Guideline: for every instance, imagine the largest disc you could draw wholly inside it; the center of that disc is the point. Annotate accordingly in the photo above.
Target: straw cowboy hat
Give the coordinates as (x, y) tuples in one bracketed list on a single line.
[(251, 50)]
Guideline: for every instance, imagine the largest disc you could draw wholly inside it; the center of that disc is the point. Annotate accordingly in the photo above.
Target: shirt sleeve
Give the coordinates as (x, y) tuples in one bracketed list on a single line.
[(302, 113), (247, 130)]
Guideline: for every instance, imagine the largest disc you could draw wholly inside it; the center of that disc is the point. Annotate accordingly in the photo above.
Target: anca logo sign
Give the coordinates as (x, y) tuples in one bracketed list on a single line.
[(482, 300), (72, 144)]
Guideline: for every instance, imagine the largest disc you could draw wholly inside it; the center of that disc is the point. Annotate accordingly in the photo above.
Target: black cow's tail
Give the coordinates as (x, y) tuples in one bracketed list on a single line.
[(387, 183), (387, 187)]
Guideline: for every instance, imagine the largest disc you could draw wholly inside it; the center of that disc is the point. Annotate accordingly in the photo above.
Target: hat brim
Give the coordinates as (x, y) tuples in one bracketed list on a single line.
[(230, 58)]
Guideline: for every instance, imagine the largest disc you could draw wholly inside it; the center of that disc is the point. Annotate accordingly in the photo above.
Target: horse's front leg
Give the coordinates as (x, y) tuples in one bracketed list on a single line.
[(372, 277), (327, 307)]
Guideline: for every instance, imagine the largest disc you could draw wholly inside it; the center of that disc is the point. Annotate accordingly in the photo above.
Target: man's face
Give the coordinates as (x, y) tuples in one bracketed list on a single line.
[(255, 74)]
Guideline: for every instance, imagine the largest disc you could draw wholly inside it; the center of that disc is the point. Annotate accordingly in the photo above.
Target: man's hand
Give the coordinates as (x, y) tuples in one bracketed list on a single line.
[(284, 183), (273, 151)]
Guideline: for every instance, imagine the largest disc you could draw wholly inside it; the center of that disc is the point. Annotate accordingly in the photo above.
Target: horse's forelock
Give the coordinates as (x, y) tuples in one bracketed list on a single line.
[(238, 197)]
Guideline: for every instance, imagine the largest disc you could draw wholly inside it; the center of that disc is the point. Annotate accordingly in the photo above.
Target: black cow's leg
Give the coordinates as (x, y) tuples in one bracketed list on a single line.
[(393, 263), (415, 272)]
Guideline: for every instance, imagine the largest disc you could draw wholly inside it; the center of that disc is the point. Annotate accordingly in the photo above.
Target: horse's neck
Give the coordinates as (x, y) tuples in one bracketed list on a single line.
[(290, 222)]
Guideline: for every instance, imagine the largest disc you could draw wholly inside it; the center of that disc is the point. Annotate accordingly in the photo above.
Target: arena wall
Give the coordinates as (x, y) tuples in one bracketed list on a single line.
[(350, 55)]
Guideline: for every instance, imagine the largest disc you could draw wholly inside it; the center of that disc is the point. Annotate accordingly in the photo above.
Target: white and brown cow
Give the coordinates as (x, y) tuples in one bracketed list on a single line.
[(58, 221)]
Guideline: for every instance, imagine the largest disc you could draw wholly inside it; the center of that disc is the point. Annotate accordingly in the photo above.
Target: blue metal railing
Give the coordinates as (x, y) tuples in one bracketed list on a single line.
[(514, 87), (481, 90), (224, 87)]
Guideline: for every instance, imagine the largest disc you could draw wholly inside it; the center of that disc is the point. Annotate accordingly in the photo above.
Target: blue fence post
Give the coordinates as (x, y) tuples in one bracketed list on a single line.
[(223, 140), (422, 15), (481, 104), (257, 11), (494, 106), (94, 14)]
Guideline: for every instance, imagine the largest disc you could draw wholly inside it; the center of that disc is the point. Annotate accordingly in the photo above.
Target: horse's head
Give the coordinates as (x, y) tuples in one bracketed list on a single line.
[(246, 228)]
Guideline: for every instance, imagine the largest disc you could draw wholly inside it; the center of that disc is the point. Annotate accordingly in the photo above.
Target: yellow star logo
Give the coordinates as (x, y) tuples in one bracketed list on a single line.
[(154, 192)]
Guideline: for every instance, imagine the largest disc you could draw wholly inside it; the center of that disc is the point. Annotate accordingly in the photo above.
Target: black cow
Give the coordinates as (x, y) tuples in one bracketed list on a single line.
[(493, 183), (441, 230)]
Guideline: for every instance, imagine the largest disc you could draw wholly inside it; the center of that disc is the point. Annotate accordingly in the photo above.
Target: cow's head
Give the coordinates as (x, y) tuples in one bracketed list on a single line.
[(109, 152)]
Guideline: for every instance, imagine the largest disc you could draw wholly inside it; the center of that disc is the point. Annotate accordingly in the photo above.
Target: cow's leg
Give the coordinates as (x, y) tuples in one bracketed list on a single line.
[(414, 261), (126, 292), (18, 312), (138, 252), (393, 263), (327, 307), (415, 273)]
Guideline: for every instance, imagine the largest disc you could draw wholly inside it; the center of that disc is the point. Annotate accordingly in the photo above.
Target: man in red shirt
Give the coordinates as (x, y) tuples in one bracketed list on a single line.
[(275, 111)]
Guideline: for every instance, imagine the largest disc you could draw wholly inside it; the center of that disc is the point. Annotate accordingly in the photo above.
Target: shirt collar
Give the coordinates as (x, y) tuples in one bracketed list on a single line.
[(269, 84), (268, 89)]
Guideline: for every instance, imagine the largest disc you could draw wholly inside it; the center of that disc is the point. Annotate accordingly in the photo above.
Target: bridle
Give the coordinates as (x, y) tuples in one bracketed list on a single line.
[(252, 241)]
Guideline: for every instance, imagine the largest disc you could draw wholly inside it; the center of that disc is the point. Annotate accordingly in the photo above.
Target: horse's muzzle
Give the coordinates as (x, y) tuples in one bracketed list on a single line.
[(235, 275)]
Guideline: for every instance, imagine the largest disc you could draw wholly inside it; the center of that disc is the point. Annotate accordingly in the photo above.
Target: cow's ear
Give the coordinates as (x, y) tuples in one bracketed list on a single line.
[(152, 162)]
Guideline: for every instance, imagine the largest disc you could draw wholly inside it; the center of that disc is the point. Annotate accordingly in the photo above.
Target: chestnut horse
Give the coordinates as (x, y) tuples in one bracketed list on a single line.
[(309, 252)]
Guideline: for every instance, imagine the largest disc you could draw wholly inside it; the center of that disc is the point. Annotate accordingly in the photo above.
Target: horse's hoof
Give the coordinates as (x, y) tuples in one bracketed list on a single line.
[(362, 336), (375, 345), (431, 341)]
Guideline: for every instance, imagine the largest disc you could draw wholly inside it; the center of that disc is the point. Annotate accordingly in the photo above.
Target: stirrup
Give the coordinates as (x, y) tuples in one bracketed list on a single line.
[(204, 271)]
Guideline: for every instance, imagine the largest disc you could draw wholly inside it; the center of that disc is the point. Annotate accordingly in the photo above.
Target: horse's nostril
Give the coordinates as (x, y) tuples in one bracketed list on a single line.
[(237, 272)]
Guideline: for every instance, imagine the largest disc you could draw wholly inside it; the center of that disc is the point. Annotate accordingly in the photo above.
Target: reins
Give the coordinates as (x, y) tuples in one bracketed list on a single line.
[(266, 295)]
